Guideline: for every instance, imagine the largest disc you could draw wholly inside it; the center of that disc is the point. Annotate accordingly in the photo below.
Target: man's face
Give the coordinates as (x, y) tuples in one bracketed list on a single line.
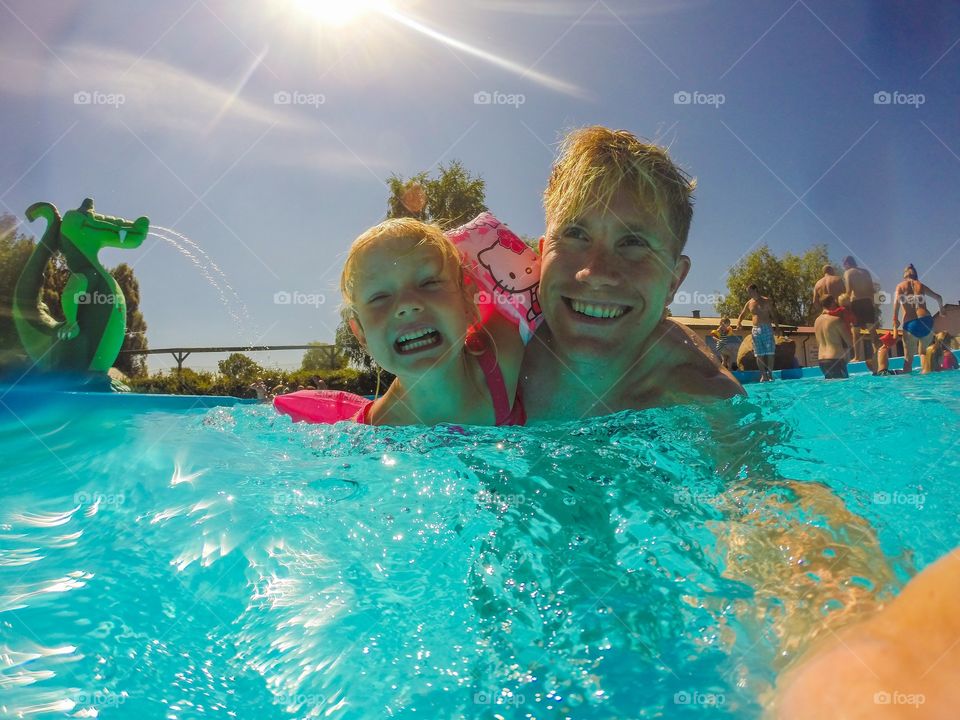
[(606, 278)]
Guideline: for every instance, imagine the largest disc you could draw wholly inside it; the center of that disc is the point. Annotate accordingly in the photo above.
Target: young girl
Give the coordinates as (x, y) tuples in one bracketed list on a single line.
[(723, 334), (939, 356), (412, 307)]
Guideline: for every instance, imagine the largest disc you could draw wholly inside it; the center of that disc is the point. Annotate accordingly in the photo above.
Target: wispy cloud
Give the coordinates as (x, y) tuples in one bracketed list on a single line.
[(570, 9), (161, 96)]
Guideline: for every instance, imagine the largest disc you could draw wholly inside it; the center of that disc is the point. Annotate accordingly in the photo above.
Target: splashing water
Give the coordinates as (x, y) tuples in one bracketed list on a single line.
[(231, 301)]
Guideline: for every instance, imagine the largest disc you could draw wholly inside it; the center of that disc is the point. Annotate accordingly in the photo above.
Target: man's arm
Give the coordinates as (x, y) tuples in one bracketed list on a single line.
[(776, 320), (901, 662), (740, 317)]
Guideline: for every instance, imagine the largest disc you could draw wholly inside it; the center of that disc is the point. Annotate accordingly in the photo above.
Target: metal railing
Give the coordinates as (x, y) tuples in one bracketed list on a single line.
[(182, 353)]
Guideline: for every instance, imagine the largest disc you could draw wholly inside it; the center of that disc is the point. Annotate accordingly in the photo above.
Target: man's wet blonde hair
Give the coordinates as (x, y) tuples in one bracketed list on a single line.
[(425, 235), (595, 162)]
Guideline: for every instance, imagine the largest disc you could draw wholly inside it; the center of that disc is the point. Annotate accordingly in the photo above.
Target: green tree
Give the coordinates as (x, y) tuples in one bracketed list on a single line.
[(322, 356), (15, 249), (453, 197), (240, 368), (136, 337), (788, 281), (348, 344)]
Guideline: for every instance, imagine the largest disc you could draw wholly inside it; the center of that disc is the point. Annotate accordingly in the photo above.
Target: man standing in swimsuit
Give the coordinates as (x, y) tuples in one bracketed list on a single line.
[(917, 321), (858, 283), (760, 308), (617, 216), (832, 340), (829, 284)]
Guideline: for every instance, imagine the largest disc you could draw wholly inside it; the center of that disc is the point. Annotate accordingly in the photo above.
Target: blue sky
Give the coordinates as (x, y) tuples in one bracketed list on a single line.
[(183, 124)]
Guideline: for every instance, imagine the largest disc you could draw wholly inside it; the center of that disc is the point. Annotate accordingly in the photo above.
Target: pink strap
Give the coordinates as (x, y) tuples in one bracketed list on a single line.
[(505, 412)]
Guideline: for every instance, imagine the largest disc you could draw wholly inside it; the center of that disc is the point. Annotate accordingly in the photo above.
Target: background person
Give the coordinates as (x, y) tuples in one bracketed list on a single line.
[(843, 309), (858, 284), (833, 339), (939, 356), (723, 334), (888, 343), (760, 308), (830, 284), (917, 321)]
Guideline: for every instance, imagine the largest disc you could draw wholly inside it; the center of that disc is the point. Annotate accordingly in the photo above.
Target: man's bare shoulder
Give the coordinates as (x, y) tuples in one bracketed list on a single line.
[(681, 365)]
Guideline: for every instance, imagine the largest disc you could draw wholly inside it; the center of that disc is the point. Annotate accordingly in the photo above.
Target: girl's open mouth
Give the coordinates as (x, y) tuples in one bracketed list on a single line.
[(417, 340)]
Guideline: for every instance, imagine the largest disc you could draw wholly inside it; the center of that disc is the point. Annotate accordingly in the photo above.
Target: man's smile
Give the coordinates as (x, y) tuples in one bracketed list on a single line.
[(596, 310)]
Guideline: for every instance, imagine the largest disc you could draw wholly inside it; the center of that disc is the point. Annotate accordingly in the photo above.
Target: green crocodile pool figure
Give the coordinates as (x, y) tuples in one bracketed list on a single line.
[(93, 305)]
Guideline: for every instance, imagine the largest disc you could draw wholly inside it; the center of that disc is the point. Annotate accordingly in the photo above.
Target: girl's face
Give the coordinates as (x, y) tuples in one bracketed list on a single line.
[(411, 312)]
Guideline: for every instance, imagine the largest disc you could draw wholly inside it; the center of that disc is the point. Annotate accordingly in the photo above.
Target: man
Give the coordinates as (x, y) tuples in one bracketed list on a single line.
[(617, 216), (760, 308), (858, 284), (832, 336), (829, 284)]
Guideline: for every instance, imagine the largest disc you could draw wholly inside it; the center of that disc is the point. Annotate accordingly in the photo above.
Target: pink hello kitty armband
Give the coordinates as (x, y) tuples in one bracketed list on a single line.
[(505, 270)]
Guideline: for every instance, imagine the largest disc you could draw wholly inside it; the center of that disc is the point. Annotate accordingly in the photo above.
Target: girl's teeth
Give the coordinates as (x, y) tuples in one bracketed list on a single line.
[(415, 335)]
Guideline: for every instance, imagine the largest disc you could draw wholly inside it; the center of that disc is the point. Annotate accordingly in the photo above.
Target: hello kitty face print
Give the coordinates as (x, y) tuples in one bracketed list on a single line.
[(505, 269)]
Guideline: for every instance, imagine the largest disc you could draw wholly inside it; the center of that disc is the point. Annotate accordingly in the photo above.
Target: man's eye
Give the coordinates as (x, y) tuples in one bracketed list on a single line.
[(635, 241), (577, 233)]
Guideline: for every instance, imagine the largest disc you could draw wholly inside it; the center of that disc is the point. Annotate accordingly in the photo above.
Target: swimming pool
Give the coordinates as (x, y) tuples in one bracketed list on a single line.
[(181, 558)]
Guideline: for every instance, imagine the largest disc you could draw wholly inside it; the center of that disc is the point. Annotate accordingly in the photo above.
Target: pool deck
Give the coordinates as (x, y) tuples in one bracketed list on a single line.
[(22, 397), (859, 368)]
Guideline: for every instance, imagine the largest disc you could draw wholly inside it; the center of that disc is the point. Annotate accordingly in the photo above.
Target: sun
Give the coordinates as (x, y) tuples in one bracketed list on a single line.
[(340, 13)]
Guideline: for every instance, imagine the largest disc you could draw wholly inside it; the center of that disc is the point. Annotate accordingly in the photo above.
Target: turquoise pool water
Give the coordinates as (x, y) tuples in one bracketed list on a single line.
[(160, 558)]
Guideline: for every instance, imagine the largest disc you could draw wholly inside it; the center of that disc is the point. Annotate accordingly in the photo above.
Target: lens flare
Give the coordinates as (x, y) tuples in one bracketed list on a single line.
[(339, 13)]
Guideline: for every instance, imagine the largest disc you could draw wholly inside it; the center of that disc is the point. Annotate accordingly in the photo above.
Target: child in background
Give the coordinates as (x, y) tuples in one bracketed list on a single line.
[(888, 343), (407, 301), (939, 356), (724, 336)]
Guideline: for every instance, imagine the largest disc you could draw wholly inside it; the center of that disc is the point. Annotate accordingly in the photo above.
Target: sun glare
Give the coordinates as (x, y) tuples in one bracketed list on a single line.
[(339, 13)]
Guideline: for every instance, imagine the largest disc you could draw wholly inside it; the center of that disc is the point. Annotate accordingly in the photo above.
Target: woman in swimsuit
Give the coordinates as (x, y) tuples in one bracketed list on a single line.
[(917, 321)]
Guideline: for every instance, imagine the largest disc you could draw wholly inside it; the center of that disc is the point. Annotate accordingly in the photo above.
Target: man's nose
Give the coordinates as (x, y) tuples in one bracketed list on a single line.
[(599, 270)]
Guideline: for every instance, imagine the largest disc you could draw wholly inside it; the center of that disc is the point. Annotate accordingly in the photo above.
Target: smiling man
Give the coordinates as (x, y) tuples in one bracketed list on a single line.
[(617, 216)]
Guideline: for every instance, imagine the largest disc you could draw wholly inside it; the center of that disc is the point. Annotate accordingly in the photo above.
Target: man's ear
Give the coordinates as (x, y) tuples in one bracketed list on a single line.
[(680, 271), (357, 329), (540, 246)]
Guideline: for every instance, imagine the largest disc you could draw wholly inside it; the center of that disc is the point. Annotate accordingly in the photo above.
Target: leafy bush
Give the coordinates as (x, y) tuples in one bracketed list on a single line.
[(193, 382)]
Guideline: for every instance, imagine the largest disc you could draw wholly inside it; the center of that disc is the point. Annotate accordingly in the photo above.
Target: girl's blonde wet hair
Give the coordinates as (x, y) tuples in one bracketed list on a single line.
[(595, 162), (425, 235)]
